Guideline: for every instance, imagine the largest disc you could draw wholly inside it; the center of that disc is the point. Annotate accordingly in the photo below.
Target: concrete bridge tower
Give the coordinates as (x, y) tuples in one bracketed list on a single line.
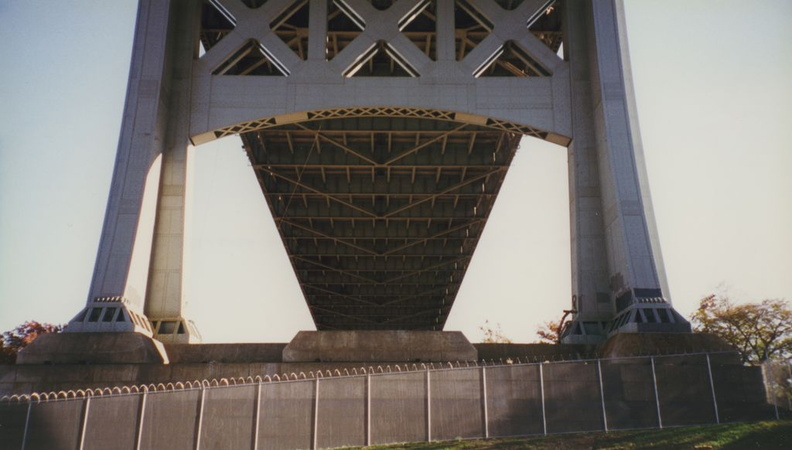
[(380, 132)]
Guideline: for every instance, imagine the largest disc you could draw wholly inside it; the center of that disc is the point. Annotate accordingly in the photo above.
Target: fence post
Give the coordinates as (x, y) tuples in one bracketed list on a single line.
[(712, 388), (602, 396), (368, 409), (200, 418), (27, 424), (84, 423), (257, 413), (141, 416), (541, 391), (485, 412), (789, 397), (657, 397), (765, 367), (315, 440), (428, 407)]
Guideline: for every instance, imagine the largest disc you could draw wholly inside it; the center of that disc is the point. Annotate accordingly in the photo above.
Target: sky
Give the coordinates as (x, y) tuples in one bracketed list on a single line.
[(714, 97)]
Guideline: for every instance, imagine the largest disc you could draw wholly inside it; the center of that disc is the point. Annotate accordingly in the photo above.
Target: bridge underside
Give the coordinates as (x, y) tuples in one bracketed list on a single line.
[(380, 215)]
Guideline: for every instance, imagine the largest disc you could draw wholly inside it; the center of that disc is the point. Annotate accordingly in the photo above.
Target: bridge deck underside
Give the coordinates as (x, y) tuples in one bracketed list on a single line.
[(380, 216)]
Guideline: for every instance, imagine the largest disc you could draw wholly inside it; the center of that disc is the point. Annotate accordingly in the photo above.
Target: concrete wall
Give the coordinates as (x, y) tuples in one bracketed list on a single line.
[(535, 352), (379, 346), (419, 405), (54, 368)]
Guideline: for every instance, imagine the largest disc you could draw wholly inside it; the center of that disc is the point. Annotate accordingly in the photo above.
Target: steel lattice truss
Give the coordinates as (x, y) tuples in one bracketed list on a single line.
[(380, 216), (473, 24)]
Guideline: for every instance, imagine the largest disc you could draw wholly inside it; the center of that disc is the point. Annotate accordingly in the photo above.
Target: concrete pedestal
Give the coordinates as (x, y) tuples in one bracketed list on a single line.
[(94, 348), (375, 346), (635, 344)]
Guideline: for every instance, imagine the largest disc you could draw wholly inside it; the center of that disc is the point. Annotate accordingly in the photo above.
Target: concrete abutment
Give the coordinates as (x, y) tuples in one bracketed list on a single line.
[(87, 360)]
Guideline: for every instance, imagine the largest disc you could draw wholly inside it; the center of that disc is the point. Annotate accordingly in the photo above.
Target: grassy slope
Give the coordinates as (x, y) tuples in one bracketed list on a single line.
[(759, 435)]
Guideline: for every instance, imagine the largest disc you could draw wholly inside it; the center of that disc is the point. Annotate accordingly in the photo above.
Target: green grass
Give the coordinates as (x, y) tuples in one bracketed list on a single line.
[(758, 435)]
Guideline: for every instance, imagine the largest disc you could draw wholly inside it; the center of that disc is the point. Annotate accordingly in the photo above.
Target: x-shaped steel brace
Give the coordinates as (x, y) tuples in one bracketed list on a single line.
[(511, 26), (381, 26), (252, 24)]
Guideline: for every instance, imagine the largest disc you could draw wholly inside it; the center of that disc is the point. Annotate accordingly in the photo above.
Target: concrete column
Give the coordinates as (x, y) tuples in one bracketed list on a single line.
[(617, 265), (588, 244), (140, 143), (120, 274), (165, 296), (630, 254), (164, 291), (140, 258)]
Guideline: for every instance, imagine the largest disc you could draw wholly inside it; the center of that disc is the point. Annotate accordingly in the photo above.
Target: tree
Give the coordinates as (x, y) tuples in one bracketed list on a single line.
[(7, 355), (550, 332), (493, 335), (20, 337), (759, 331)]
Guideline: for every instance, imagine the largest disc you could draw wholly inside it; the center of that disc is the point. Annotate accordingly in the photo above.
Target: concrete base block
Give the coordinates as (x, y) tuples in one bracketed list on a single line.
[(371, 346), (631, 344), (535, 352), (93, 348), (224, 353)]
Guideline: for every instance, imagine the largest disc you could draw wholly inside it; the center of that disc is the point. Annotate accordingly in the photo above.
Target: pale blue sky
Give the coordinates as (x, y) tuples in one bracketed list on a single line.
[(715, 105)]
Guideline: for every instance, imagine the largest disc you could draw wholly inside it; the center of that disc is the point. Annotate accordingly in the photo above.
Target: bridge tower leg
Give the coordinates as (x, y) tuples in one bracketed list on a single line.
[(137, 282), (618, 277)]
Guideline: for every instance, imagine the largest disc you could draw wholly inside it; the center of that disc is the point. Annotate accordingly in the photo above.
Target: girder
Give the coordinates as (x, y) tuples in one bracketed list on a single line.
[(380, 217), (418, 27)]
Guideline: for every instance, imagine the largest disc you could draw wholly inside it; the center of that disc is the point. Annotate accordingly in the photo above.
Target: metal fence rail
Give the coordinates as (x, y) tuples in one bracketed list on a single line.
[(394, 404)]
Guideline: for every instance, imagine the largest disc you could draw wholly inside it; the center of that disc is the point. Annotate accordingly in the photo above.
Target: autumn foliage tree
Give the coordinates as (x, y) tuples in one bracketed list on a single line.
[(493, 334), (7, 354), (550, 332), (15, 340), (759, 331)]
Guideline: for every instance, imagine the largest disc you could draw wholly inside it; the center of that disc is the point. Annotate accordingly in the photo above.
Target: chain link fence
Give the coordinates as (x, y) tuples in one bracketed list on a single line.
[(424, 404), (777, 377)]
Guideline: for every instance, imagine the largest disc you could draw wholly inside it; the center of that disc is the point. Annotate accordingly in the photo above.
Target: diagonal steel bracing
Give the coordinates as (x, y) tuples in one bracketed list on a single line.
[(380, 217)]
